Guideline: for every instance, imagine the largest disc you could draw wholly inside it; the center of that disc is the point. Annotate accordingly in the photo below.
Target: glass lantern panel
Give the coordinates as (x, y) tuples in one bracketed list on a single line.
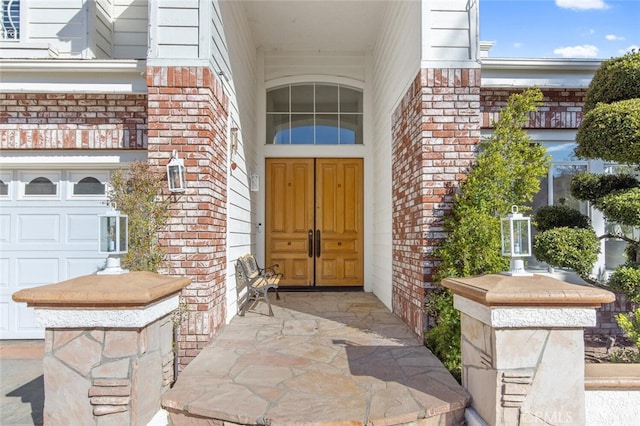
[(521, 237), (108, 234), (506, 237)]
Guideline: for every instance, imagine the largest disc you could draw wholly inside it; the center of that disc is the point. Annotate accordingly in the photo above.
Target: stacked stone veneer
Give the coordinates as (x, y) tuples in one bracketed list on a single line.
[(436, 129), (72, 121), (188, 112), (105, 376)]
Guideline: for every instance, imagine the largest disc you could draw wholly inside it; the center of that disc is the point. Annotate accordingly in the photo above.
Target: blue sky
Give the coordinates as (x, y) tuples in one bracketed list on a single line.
[(560, 28)]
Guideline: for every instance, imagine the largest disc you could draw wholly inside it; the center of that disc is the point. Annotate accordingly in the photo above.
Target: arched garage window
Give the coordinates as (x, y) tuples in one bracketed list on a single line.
[(314, 114), (41, 186), (88, 186), (4, 188)]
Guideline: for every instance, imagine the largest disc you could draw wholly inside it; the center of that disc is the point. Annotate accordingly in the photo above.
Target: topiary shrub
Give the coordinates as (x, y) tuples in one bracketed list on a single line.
[(592, 186), (616, 79), (573, 248), (611, 132), (626, 279), (622, 206), (560, 216)]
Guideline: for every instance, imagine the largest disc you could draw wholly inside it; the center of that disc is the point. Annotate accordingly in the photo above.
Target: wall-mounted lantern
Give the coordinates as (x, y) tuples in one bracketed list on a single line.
[(515, 231), (175, 173), (254, 182), (113, 239)]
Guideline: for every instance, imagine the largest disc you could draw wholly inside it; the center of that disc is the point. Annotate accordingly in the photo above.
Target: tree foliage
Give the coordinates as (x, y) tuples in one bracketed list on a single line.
[(610, 131), (507, 172), (559, 216), (137, 193)]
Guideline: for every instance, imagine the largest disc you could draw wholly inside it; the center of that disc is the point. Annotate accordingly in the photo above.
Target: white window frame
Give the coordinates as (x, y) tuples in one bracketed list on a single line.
[(6, 177), (27, 177), (73, 177)]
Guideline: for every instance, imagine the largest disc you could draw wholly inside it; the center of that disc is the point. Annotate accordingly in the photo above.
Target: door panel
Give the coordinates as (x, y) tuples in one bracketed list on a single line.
[(289, 218), (339, 219), (314, 216)]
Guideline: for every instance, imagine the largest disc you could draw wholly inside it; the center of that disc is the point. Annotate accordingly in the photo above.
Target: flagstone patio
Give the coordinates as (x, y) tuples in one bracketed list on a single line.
[(323, 358)]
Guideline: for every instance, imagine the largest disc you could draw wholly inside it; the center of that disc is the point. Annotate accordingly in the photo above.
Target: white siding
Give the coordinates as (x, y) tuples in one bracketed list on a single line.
[(450, 30), (103, 29), (231, 33), (176, 29), (60, 23), (396, 62), (130, 29), (343, 64)]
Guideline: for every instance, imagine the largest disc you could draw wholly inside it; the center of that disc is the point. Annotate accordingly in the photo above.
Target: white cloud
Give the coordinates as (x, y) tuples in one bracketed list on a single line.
[(583, 51), (613, 37), (517, 45), (582, 4)]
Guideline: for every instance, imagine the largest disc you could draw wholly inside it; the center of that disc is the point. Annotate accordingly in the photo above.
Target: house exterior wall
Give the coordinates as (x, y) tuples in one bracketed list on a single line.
[(188, 112), (395, 65), (436, 130), (73, 121)]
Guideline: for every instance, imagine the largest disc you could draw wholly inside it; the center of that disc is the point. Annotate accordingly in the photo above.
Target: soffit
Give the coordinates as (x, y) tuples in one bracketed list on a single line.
[(311, 25)]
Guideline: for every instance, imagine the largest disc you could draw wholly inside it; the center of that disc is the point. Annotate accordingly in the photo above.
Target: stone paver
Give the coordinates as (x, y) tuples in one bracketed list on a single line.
[(323, 358)]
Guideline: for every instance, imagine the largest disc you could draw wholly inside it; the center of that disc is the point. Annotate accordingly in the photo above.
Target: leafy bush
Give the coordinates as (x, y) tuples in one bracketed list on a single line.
[(508, 171), (630, 324), (444, 338), (616, 79), (626, 279), (611, 132), (569, 248), (137, 193), (622, 206), (591, 186), (560, 216)]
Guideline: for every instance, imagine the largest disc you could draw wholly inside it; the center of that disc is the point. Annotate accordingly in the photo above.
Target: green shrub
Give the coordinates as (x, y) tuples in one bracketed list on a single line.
[(560, 216), (626, 279), (573, 248), (443, 339), (591, 186), (616, 79), (611, 132), (622, 206), (630, 324)]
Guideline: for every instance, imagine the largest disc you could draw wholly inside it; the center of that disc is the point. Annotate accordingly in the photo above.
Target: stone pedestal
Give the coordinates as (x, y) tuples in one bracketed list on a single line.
[(523, 347), (108, 346)]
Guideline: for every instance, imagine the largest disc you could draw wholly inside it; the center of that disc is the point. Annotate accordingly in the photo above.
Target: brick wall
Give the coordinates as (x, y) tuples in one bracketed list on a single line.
[(72, 121), (561, 109), (188, 112), (436, 129)]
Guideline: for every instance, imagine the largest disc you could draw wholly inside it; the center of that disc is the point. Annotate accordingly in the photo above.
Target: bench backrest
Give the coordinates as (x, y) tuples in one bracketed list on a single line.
[(250, 266)]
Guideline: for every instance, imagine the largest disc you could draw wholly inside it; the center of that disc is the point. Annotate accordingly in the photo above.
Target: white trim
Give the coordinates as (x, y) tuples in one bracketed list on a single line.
[(73, 76), (26, 177), (118, 318), (543, 73), (72, 159), (526, 316)]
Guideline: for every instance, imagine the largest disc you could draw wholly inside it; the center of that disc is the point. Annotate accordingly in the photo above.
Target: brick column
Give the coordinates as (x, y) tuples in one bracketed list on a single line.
[(188, 113), (436, 129)]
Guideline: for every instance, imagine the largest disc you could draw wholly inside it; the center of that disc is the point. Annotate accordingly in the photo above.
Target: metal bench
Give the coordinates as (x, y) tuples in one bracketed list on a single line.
[(257, 281)]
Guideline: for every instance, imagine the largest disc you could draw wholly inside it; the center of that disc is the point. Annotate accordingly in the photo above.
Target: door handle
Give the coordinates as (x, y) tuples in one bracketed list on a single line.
[(318, 243), (310, 242)]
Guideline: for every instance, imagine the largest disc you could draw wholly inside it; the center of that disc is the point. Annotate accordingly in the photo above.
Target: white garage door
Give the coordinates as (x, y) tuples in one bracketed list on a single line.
[(48, 234)]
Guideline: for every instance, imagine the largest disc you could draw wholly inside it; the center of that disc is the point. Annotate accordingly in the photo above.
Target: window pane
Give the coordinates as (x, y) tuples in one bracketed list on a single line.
[(561, 151), (4, 188), (350, 100), (278, 100), (88, 186), (302, 98), (562, 187), (278, 129), (351, 129), (40, 186), (10, 29), (302, 128), (327, 129), (326, 98)]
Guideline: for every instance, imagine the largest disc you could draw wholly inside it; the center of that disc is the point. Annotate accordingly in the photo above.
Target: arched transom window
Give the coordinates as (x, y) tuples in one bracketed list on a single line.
[(314, 114)]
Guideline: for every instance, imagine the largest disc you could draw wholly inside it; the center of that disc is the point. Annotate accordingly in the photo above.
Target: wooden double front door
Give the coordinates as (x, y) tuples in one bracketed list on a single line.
[(314, 218)]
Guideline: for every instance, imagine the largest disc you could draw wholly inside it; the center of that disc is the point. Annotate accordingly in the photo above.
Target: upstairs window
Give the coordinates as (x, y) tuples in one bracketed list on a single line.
[(314, 114), (10, 12)]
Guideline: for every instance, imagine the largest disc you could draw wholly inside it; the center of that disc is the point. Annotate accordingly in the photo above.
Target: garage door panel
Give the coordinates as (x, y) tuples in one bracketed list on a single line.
[(77, 267), (4, 316), (82, 228), (33, 272), (4, 273), (39, 228), (5, 228)]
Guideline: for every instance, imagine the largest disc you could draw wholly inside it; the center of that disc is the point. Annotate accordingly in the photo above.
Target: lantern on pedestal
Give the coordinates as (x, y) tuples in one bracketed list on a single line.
[(515, 230), (113, 236)]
